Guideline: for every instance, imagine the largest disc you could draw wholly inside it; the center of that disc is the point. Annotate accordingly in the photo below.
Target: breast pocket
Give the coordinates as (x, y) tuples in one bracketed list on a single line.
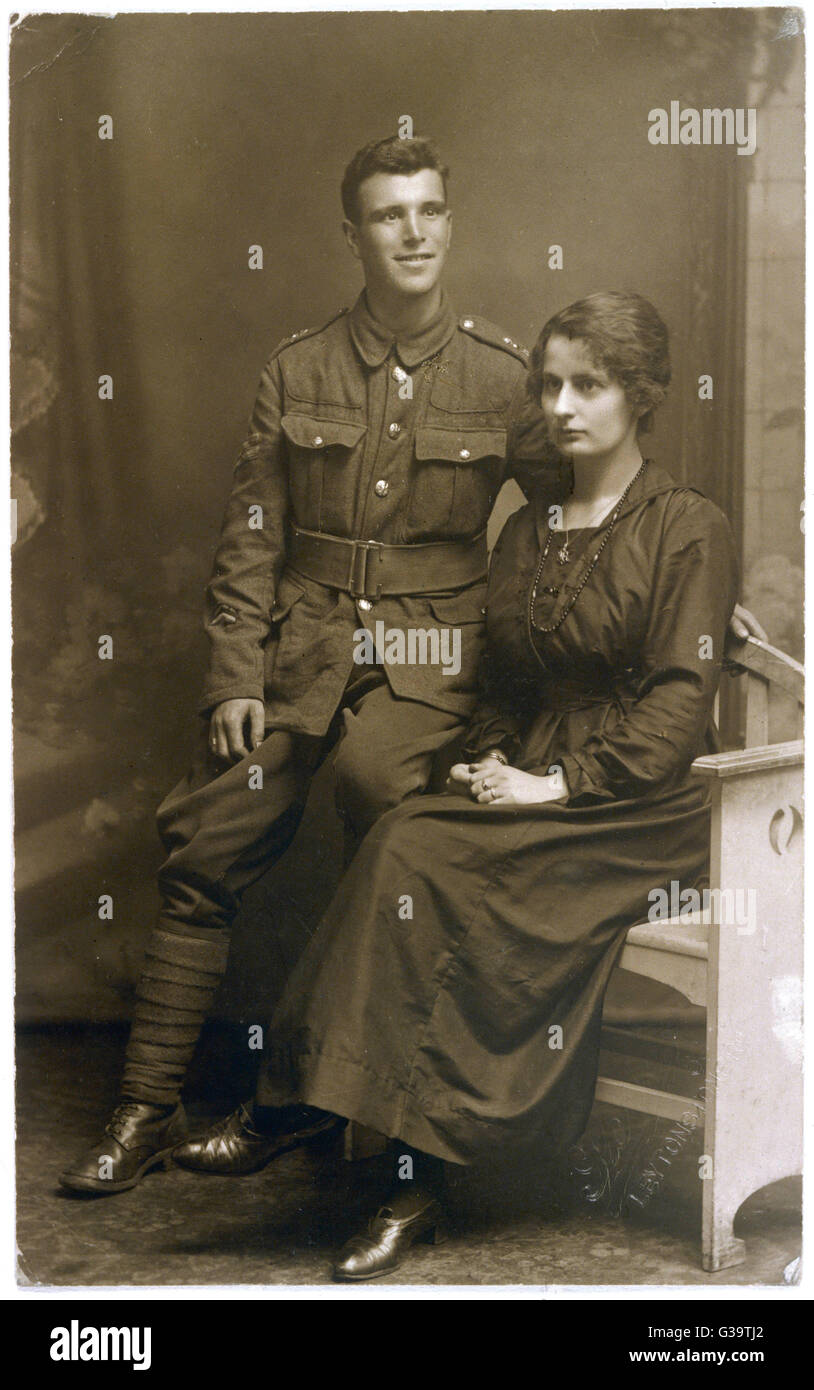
[(457, 476), (319, 453)]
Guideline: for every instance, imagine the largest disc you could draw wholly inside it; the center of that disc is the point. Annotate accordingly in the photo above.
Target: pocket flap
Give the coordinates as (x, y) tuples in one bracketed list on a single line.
[(466, 607), (309, 433), (288, 593), (459, 446)]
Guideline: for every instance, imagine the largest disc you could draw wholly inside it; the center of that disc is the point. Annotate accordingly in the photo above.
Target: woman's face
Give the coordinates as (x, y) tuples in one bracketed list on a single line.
[(586, 410)]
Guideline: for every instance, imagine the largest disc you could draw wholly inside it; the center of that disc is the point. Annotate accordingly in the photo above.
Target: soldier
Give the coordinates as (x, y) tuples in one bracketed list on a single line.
[(377, 446)]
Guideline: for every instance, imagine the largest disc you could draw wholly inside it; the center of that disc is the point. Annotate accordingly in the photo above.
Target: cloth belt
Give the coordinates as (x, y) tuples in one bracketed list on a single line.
[(569, 697), (368, 569)]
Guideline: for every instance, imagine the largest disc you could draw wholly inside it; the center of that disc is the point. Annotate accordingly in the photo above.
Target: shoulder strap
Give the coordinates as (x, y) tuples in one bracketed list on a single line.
[(304, 333), (489, 333)]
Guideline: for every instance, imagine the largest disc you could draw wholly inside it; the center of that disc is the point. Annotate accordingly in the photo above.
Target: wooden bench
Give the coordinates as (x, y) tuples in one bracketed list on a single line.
[(746, 974)]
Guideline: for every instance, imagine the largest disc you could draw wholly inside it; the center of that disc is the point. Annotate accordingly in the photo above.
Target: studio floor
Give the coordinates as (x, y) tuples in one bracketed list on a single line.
[(542, 1225)]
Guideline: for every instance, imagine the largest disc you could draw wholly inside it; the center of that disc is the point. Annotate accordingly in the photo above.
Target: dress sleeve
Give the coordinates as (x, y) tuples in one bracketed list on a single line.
[(249, 557), (694, 592), (492, 723)]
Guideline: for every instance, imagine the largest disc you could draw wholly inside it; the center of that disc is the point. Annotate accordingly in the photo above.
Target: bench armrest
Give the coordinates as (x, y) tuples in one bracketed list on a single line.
[(744, 760)]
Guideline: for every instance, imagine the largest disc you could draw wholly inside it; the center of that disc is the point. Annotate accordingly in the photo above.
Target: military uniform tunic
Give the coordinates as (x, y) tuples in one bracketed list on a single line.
[(365, 436), (361, 435)]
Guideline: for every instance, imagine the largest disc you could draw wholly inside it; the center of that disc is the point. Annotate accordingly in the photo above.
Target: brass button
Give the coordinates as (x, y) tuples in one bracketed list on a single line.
[(469, 323), (382, 488), (399, 375), (317, 440), (365, 605), (394, 431), (465, 454)]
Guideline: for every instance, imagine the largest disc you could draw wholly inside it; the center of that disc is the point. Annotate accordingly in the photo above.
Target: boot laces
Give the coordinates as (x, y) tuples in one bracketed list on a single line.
[(118, 1120)]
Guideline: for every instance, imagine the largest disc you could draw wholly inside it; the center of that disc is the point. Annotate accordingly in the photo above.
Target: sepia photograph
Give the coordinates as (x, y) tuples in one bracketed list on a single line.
[(407, 478)]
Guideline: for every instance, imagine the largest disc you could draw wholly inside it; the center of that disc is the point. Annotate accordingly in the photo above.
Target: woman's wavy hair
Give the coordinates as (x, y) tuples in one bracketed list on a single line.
[(625, 336)]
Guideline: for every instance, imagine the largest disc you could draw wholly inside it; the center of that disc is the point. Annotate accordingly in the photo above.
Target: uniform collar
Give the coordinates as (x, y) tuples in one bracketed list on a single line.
[(374, 342)]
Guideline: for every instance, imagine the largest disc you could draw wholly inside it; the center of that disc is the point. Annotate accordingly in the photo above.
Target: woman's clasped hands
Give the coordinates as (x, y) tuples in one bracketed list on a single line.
[(492, 782)]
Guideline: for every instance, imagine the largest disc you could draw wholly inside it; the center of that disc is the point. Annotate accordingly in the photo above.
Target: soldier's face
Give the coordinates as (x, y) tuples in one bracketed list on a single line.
[(403, 232)]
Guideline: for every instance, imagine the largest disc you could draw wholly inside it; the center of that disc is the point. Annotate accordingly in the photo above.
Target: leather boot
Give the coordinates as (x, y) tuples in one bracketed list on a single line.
[(137, 1137), (410, 1216), (178, 983), (233, 1146)]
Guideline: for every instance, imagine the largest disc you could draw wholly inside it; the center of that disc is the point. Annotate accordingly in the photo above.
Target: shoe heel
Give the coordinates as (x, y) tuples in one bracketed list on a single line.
[(435, 1235), (327, 1141)]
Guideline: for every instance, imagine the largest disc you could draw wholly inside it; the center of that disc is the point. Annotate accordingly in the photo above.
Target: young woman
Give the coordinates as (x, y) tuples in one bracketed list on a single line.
[(452, 996)]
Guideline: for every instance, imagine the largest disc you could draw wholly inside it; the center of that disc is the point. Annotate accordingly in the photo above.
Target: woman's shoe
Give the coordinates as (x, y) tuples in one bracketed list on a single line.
[(411, 1216)]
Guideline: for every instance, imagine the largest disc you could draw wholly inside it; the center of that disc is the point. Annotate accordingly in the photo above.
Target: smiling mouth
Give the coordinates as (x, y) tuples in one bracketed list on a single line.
[(414, 259)]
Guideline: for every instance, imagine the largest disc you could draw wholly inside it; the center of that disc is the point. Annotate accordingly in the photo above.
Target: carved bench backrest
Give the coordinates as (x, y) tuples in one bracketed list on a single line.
[(765, 668)]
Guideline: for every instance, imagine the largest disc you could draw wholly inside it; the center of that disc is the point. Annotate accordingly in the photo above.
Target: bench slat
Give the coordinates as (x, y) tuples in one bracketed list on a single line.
[(681, 936), (645, 1099)]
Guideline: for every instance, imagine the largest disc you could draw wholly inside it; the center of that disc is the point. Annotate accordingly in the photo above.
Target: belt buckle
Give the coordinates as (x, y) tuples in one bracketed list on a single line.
[(357, 578)]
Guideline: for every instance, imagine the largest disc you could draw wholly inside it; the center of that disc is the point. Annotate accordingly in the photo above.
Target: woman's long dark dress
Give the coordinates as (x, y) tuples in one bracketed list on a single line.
[(452, 995)]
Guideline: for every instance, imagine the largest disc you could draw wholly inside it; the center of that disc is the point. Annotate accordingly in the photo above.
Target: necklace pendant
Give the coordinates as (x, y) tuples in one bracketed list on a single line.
[(562, 554)]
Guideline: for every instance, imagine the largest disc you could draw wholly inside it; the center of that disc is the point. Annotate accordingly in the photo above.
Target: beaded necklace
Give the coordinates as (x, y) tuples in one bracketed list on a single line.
[(552, 627)]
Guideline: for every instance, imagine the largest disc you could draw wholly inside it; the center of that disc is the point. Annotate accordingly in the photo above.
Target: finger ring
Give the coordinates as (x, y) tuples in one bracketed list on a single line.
[(487, 786)]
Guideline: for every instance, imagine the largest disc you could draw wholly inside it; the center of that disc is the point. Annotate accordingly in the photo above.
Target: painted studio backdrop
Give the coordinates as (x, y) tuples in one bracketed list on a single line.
[(131, 261)]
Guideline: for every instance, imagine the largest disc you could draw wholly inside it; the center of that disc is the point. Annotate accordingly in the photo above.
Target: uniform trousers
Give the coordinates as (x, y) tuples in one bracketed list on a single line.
[(224, 825)]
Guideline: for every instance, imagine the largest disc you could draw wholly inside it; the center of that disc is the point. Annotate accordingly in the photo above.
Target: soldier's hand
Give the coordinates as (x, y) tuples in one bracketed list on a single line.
[(236, 728), (745, 624)]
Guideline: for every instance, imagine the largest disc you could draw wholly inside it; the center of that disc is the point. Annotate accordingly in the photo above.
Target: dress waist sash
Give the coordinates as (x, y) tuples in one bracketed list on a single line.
[(567, 697)]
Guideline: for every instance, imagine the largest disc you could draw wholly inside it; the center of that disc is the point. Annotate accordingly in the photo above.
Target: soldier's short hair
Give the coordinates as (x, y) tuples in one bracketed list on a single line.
[(389, 156), (625, 335)]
